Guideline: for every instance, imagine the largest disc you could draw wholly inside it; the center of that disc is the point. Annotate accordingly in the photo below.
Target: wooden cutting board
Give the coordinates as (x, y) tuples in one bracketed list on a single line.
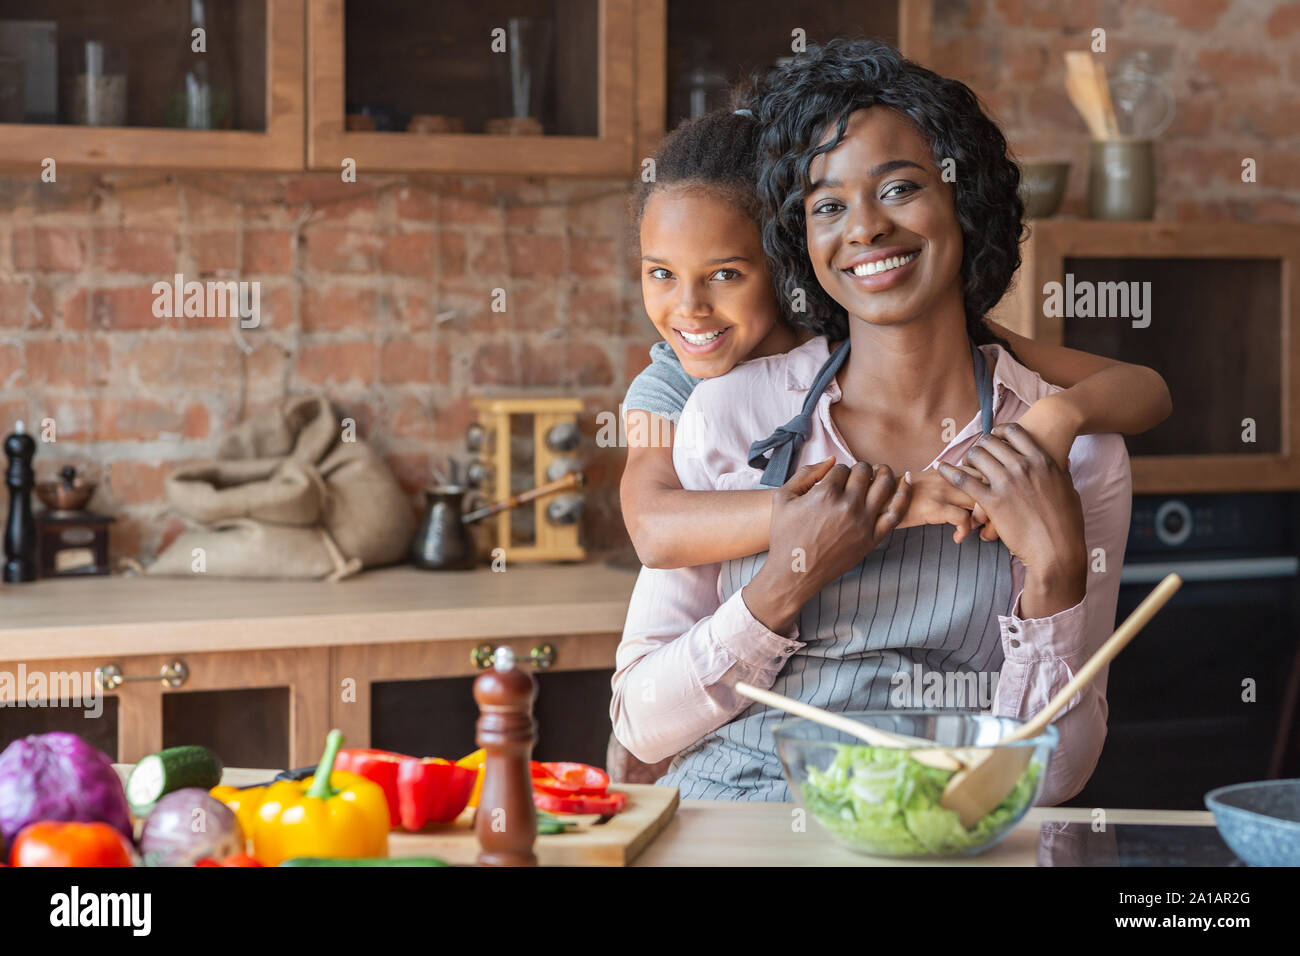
[(591, 843)]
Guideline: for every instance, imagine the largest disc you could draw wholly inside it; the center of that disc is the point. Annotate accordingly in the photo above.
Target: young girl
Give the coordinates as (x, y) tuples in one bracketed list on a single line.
[(709, 292), (898, 267)]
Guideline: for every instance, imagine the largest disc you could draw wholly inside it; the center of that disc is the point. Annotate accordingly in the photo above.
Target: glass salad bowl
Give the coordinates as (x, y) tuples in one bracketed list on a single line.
[(879, 801)]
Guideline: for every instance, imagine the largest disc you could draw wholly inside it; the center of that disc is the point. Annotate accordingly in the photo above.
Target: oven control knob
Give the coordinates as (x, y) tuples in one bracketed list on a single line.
[(1173, 523)]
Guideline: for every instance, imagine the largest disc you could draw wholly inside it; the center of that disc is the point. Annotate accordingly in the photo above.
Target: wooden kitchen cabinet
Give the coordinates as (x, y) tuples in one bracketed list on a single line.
[(134, 85), (390, 63), (1221, 324), (687, 52)]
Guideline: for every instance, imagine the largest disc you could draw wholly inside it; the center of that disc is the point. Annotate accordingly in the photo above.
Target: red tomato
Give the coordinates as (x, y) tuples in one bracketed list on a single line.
[(49, 843), (583, 778)]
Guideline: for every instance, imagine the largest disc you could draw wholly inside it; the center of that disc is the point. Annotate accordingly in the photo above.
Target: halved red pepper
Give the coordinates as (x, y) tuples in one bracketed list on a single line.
[(379, 766), (605, 805), (432, 790), (582, 778)]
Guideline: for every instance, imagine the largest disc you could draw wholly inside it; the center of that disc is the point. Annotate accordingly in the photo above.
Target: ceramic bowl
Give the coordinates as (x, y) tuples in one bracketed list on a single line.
[(1259, 821)]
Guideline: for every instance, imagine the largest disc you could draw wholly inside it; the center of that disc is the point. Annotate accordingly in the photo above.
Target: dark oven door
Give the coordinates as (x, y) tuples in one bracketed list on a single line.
[(1196, 701)]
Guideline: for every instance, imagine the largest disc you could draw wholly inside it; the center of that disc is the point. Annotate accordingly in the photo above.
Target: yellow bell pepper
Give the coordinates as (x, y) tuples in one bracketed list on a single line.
[(243, 802), (330, 814), (474, 761)]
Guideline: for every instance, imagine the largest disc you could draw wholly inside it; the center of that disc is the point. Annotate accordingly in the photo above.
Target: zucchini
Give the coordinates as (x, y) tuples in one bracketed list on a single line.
[(365, 861), (172, 769)]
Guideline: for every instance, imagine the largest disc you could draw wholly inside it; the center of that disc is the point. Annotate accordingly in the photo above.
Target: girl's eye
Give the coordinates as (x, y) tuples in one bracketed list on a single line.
[(906, 187), (660, 273), (726, 275)]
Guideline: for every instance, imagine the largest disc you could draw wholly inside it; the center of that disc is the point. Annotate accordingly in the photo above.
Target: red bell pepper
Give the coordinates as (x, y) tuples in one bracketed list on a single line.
[(582, 778), (379, 766), (235, 859), (431, 790), (605, 805)]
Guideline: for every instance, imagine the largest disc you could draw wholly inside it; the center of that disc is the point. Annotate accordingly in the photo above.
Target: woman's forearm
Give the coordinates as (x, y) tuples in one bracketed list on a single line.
[(673, 528)]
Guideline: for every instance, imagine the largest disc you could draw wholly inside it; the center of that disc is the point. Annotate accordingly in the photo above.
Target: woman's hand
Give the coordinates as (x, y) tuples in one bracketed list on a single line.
[(936, 501), (1037, 512), (825, 519)]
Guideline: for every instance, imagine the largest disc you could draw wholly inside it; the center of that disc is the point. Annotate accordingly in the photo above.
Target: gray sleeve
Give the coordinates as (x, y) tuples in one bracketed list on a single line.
[(662, 387)]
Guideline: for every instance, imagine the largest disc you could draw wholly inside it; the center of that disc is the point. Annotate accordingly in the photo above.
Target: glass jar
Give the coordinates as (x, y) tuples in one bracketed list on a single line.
[(98, 79)]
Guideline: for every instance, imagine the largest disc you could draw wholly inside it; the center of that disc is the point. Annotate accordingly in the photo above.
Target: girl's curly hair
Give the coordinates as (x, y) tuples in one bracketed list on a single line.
[(796, 104)]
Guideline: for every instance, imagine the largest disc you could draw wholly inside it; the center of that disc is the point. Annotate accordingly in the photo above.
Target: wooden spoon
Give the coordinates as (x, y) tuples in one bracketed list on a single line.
[(927, 755), (1081, 87), (1103, 97), (993, 773)]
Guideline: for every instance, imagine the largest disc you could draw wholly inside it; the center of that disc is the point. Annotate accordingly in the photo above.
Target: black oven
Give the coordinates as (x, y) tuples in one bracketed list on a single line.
[(1205, 695)]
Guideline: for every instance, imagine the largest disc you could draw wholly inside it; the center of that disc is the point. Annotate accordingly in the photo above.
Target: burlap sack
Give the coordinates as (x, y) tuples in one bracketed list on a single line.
[(287, 497)]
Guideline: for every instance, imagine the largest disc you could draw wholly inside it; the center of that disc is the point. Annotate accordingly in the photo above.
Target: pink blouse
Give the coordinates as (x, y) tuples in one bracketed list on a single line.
[(684, 649)]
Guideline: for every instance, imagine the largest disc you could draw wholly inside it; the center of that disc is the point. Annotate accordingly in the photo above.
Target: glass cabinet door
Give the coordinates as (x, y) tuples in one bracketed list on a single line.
[(161, 83), (543, 87)]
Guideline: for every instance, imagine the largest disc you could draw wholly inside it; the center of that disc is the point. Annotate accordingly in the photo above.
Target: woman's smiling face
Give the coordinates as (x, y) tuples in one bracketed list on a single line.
[(704, 275), (882, 233)]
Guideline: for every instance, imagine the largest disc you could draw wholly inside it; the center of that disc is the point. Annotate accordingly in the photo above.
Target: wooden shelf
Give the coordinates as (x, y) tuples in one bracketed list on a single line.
[(124, 616)]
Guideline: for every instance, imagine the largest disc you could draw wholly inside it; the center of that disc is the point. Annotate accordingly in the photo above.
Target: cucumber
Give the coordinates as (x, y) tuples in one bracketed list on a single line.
[(365, 861), (172, 769)]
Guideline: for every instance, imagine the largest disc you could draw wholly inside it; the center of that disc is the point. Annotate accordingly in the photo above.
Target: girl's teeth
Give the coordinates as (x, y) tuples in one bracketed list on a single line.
[(883, 265), (704, 339)]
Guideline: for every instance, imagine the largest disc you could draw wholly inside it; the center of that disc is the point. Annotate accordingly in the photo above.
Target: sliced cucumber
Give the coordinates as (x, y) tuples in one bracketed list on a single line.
[(365, 861), (172, 769)]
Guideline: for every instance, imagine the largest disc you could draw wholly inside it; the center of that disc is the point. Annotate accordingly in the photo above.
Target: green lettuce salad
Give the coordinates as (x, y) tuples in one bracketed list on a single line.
[(881, 801)]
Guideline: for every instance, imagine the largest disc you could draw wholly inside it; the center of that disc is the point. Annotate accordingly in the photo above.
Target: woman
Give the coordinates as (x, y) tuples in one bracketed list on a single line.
[(897, 266)]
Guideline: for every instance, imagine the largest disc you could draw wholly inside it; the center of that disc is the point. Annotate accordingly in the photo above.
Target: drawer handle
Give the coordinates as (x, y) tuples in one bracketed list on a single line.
[(542, 656), (110, 676)]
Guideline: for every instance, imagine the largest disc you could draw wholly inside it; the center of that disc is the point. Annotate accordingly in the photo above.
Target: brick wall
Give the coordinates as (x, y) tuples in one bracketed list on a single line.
[(378, 293)]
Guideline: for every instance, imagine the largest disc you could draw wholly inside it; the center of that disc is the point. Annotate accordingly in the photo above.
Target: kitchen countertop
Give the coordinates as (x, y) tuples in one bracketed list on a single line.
[(724, 833), (78, 617)]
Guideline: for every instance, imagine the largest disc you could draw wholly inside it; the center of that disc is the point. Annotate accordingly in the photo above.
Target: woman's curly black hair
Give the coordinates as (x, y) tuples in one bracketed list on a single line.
[(797, 103)]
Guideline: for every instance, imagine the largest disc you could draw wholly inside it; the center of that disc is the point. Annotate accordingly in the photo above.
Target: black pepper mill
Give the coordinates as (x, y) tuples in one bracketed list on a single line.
[(20, 529), (506, 821)]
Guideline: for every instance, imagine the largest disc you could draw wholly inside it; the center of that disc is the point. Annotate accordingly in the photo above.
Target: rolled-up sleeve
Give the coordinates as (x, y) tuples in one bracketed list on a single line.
[(683, 648), (1043, 654)]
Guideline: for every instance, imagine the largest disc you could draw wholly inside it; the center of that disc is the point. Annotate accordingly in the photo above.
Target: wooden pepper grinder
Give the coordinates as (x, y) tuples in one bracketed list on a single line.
[(20, 529), (506, 822)]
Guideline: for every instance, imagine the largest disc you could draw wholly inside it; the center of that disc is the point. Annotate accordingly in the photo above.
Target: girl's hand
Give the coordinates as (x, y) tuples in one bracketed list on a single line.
[(1053, 424), (936, 501), (825, 519), (1037, 512)]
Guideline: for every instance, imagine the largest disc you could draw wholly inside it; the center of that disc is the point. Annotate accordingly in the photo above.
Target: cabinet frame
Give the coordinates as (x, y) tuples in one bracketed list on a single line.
[(279, 147), (609, 153), (1052, 241)]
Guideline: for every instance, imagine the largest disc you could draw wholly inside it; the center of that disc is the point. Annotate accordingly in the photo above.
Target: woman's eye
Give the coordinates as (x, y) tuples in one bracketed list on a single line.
[(726, 275), (660, 274), (906, 187), (828, 207)]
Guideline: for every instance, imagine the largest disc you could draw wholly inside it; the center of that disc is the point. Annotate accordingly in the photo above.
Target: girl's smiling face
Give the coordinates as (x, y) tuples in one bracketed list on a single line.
[(882, 232), (705, 281)]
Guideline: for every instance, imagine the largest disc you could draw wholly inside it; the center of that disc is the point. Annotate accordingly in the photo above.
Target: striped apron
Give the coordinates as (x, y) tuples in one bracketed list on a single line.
[(917, 600)]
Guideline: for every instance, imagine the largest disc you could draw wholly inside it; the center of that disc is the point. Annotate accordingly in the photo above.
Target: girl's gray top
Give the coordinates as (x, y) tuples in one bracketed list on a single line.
[(663, 386)]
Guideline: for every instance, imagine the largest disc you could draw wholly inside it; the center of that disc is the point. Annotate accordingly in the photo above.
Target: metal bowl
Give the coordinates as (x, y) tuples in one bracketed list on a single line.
[(58, 496), (1259, 821)]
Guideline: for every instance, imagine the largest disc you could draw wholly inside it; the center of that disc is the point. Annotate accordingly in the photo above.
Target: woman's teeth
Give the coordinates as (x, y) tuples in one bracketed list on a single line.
[(704, 339), (883, 265)]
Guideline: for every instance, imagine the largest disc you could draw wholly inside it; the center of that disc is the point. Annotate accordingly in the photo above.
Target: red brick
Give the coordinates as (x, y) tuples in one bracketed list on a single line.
[(63, 306), (135, 250), (412, 311), (214, 252), (15, 410), (408, 254), (80, 363), (593, 308), (50, 249), (126, 309), (142, 419), (196, 422), (171, 530), (73, 418), (1277, 119), (13, 304), (1198, 15), (415, 204), (140, 204), (183, 361), (564, 364), (1236, 69), (138, 482), (338, 308), (338, 363), (636, 358), (11, 367), (1285, 20), (451, 255), (594, 258), (268, 252), (452, 417), (413, 470), (267, 367), (404, 361), (532, 255), (124, 539), (318, 188), (343, 250), (495, 363)]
